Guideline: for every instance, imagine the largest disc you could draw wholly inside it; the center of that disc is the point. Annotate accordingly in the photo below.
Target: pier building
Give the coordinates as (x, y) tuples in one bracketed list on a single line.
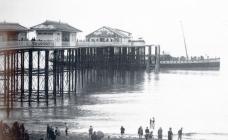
[(57, 33), (107, 34), (12, 32)]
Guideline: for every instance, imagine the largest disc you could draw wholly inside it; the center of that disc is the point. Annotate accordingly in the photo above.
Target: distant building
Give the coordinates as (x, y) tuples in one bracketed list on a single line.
[(107, 34), (12, 32), (62, 34)]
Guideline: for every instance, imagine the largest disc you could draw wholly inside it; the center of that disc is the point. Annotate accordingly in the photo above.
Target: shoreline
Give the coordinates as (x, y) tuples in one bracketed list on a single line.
[(84, 136), (37, 135)]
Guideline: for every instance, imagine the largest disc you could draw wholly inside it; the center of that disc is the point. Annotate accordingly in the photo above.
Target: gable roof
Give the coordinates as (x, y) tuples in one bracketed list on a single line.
[(55, 26), (116, 31), (5, 26)]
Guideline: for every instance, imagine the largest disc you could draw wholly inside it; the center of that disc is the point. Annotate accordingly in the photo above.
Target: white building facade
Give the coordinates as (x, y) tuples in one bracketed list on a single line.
[(107, 34), (61, 34)]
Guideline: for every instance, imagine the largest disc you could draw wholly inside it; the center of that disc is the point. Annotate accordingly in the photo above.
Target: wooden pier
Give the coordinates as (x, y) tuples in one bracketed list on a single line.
[(37, 71)]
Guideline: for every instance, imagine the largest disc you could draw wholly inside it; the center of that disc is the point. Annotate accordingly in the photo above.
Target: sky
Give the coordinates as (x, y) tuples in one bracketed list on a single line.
[(156, 21)]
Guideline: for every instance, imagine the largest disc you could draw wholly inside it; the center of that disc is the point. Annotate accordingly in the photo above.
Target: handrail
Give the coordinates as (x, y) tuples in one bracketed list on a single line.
[(15, 44)]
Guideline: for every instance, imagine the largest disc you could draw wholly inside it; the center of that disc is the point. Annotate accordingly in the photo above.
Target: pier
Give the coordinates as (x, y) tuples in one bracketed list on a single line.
[(38, 71)]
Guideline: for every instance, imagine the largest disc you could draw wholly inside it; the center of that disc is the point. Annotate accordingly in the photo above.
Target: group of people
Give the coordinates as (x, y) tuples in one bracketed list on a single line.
[(51, 133), (16, 132), (149, 134), (93, 135)]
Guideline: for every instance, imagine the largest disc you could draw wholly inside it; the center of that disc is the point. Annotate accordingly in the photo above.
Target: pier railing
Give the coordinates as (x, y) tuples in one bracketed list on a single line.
[(52, 44)]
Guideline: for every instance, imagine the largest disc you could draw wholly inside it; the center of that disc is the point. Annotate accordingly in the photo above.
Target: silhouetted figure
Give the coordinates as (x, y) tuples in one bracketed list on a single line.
[(151, 135), (26, 135), (52, 134), (16, 130), (90, 131), (140, 132), (48, 131), (22, 131), (94, 136), (153, 123), (160, 133), (1, 129), (57, 132), (147, 131), (122, 130), (66, 129), (180, 134), (170, 134)]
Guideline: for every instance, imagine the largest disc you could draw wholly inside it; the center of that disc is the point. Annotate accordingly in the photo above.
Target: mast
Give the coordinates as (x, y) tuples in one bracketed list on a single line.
[(185, 45)]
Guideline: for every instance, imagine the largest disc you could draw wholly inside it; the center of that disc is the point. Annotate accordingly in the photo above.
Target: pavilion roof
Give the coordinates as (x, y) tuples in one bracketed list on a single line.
[(55, 26), (6, 26)]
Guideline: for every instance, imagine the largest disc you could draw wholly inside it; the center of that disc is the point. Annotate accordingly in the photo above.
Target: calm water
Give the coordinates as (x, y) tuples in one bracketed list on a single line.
[(194, 100)]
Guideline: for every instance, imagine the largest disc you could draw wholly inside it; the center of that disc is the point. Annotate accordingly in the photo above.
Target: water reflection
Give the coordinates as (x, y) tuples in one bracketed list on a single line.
[(108, 99)]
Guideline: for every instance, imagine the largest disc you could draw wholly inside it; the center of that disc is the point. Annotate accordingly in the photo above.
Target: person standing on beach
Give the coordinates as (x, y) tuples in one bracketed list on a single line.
[(94, 136), (153, 123), (90, 131), (57, 132), (147, 131), (180, 134), (122, 130), (170, 134), (150, 123), (140, 132), (160, 133), (48, 131), (66, 129)]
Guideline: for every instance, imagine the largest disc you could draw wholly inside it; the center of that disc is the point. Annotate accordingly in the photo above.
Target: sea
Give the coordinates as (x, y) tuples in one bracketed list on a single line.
[(195, 100)]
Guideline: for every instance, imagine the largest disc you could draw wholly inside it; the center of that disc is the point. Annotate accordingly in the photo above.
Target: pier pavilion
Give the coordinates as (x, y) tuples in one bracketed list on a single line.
[(58, 33), (107, 34), (12, 32)]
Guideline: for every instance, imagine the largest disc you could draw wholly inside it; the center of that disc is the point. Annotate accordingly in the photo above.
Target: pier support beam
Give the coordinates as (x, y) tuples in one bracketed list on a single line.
[(46, 77), (30, 76), (22, 75), (157, 59), (38, 77)]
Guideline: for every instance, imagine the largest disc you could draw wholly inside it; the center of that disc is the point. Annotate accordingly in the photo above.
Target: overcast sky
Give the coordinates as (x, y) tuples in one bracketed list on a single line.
[(157, 21)]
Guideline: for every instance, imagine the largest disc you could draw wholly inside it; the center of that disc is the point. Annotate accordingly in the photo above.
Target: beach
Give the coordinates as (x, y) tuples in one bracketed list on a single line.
[(83, 136)]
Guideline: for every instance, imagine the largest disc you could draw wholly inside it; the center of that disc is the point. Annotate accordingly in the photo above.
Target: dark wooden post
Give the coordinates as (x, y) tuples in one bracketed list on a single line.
[(54, 75), (38, 77), (30, 76), (46, 77), (22, 75)]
